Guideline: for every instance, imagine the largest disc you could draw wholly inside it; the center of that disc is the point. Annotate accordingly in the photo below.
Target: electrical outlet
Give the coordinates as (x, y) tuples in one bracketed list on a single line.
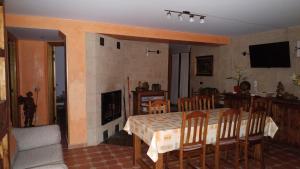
[(101, 41)]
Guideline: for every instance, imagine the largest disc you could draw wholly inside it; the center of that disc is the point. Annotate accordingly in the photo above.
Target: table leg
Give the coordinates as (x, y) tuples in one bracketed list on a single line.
[(136, 149), (160, 162)]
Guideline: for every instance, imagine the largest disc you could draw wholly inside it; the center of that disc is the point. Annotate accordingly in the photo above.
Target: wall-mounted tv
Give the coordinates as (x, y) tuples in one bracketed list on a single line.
[(270, 55)]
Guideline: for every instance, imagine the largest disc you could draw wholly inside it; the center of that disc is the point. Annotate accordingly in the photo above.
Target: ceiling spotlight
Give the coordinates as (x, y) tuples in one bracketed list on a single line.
[(183, 14), (180, 17), (169, 14), (202, 19), (192, 18)]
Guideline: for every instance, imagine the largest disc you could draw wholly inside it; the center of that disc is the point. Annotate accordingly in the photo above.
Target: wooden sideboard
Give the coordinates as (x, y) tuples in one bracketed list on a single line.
[(285, 113), (141, 99)]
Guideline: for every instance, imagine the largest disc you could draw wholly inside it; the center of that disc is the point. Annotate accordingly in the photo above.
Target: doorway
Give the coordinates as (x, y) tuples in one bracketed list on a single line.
[(179, 80), (32, 67), (58, 86)]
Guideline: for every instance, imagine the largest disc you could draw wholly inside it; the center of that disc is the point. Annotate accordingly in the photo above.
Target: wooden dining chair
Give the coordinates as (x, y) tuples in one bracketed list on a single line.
[(228, 131), (255, 130), (238, 101), (159, 106), (186, 104), (204, 102), (261, 103), (193, 135)]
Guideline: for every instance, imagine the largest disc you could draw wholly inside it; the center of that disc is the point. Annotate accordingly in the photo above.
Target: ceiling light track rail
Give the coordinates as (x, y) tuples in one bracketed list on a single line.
[(188, 13)]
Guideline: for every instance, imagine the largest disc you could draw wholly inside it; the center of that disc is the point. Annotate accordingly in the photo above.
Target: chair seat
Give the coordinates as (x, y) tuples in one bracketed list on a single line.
[(253, 138), (227, 142), (192, 147)]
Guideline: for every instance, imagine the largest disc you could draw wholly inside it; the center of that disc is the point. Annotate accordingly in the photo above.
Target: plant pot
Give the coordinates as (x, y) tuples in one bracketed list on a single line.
[(236, 89)]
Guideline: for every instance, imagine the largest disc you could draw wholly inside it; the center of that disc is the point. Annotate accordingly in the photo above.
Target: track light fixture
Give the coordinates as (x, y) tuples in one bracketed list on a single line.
[(192, 18), (169, 15), (180, 17), (188, 13), (202, 19)]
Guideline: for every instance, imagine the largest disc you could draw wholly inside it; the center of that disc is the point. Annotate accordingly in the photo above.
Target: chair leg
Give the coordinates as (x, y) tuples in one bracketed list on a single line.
[(217, 157), (262, 161), (203, 157), (166, 160), (226, 152), (246, 154), (181, 159), (237, 155)]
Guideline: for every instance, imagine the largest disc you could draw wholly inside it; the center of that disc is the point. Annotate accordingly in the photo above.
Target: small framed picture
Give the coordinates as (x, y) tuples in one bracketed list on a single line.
[(204, 65)]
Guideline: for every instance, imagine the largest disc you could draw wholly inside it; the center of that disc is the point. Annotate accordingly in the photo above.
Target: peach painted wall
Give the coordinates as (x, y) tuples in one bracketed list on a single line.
[(33, 73)]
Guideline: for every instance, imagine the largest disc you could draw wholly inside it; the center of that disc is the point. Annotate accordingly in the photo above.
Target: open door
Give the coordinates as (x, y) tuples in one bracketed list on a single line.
[(58, 86)]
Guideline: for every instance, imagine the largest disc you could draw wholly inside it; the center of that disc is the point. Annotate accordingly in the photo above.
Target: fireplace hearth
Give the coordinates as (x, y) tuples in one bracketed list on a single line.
[(111, 106)]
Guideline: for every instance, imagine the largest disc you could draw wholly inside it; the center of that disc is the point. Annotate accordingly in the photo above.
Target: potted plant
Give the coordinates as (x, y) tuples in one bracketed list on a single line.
[(239, 76)]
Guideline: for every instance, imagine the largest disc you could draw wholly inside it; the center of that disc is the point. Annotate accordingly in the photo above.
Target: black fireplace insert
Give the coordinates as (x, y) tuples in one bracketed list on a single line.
[(111, 106)]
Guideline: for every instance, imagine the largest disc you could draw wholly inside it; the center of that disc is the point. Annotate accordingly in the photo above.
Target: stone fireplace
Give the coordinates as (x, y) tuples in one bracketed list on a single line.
[(111, 106), (107, 70)]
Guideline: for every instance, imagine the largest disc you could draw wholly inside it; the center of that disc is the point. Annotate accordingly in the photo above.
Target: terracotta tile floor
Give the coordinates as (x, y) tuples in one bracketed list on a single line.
[(105, 156)]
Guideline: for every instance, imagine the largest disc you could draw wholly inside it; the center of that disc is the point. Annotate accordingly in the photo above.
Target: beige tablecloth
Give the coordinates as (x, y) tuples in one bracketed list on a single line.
[(162, 131)]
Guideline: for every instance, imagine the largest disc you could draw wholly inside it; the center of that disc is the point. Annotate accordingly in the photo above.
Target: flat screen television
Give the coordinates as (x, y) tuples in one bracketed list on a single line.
[(270, 55)]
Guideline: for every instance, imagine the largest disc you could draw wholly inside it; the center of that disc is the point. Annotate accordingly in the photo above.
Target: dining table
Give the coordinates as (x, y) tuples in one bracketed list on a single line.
[(162, 133)]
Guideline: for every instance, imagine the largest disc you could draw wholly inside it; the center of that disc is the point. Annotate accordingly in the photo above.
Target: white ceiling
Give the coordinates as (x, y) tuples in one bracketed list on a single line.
[(35, 34), (224, 17)]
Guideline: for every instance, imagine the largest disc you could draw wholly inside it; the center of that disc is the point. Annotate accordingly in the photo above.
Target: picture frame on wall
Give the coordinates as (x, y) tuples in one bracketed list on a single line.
[(204, 65)]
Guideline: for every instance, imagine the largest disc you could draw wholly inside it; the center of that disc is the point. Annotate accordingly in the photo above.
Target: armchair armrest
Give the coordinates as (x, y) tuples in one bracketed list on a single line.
[(28, 138)]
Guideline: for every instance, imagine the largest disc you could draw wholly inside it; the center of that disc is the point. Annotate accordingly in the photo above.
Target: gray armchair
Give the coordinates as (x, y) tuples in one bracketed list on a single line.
[(38, 148)]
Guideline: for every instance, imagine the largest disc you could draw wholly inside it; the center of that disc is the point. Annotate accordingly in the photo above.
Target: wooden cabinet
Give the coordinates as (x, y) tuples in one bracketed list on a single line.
[(141, 99), (286, 114)]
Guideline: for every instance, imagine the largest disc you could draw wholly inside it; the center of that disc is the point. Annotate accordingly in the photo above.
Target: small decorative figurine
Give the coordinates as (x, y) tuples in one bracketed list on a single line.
[(279, 90), (29, 108), (284, 95)]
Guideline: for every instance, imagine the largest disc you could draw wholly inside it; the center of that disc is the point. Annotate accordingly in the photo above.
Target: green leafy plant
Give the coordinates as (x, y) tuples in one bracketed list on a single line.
[(239, 75)]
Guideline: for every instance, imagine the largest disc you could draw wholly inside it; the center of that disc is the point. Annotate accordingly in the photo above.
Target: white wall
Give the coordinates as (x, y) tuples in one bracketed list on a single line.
[(227, 57)]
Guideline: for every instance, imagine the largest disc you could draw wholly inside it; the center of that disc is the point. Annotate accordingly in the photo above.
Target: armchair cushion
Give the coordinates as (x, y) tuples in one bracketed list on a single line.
[(29, 138)]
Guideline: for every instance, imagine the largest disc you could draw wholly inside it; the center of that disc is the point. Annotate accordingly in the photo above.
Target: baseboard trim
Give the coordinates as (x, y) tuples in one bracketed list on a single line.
[(77, 146)]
